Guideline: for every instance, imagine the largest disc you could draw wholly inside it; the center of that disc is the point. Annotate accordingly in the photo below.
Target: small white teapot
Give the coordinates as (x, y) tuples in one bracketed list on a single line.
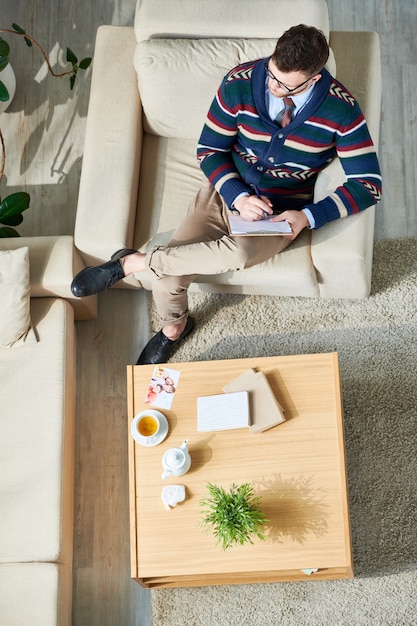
[(176, 461)]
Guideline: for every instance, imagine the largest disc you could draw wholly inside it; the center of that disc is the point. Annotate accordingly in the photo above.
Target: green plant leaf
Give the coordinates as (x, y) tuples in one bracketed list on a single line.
[(14, 204), (8, 232), (13, 220), (72, 80), (85, 63), (21, 31), (4, 62), (71, 58), (18, 29), (4, 48), (233, 517), (4, 94)]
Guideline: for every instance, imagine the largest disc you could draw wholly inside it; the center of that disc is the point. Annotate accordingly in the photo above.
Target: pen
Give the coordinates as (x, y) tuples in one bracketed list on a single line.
[(259, 195)]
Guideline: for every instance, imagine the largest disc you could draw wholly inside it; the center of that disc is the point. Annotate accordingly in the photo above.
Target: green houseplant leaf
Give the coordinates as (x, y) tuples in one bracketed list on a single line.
[(13, 205), (8, 232), (22, 31), (4, 93), (85, 63), (13, 220), (11, 209), (71, 58), (4, 48), (233, 516), (4, 62)]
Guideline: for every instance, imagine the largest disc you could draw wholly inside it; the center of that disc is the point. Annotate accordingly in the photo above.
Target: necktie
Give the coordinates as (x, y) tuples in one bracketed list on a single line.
[(284, 116)]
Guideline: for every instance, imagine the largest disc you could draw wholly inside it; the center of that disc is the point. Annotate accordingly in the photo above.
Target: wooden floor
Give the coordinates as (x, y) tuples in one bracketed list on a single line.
[(44, 133), (104, 594)]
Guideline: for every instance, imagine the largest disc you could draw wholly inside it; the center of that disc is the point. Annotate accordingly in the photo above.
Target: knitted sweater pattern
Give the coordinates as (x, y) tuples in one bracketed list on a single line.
[(242, 150)]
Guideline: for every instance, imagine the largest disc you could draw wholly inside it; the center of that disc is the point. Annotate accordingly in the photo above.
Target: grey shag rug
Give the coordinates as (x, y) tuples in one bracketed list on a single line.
[(376, 340)]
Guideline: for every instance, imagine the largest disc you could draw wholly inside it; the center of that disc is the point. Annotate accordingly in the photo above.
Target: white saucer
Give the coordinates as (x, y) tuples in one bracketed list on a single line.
[(160, 435)]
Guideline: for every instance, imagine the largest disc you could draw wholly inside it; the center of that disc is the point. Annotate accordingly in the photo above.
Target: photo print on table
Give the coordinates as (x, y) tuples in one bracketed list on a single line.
[(162, 387)]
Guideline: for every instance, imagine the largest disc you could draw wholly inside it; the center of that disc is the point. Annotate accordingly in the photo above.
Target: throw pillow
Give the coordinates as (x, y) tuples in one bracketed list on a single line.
[(15, 327)]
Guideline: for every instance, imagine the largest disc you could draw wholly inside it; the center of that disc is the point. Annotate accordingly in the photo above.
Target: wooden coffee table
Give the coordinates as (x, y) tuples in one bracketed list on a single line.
[(297, 467)]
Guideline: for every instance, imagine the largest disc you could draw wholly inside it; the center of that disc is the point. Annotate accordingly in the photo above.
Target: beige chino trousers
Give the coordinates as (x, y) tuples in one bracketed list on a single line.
[(202, 244)]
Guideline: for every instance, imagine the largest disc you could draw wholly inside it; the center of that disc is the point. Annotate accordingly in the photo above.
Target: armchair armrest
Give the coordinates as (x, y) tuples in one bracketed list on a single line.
[(343, 249), (358, 67), (110, 172)]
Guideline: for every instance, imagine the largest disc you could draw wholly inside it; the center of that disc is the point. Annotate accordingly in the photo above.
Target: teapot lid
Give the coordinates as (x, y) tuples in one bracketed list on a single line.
[(174, 458)]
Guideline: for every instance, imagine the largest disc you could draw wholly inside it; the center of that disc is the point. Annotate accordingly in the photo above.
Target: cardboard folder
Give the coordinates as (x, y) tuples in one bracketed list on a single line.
[(265, 410)]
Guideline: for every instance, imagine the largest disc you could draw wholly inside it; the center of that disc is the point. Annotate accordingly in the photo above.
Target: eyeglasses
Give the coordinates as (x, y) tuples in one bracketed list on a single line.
[(280, 84)]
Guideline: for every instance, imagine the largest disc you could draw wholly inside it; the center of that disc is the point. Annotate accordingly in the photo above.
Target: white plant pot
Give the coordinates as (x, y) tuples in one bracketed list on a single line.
[(7, 76)]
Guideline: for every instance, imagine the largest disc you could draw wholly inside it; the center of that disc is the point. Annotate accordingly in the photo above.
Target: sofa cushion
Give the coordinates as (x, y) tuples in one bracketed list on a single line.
[(178, 79), (38, 594), (15, 328), (36, 445), (170, 178)]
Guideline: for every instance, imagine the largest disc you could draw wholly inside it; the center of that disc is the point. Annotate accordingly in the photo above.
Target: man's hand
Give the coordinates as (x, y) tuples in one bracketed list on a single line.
[(253, 208), (297, 220)]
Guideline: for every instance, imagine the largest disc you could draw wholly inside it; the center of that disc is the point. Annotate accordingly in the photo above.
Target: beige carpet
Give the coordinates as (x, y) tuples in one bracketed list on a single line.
[(376, 340)]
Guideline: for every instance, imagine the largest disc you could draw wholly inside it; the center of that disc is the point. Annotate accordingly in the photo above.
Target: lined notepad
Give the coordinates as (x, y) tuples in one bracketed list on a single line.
[(239, 226), (223, 412)]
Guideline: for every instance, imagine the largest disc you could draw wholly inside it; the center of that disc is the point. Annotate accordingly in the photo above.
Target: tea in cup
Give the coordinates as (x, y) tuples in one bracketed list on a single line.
[(147, 426)]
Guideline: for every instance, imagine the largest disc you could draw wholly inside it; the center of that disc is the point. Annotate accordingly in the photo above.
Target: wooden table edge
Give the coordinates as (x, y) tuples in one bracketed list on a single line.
[(132, 476)]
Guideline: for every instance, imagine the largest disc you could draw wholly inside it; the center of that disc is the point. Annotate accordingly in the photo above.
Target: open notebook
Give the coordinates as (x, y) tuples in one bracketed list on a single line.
[(239, 226)]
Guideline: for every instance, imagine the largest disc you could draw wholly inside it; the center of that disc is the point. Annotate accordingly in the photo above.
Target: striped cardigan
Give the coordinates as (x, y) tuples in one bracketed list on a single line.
[(242, 150)]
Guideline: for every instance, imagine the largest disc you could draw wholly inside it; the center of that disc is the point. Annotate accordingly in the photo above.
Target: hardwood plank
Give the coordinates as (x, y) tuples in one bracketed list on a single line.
[(396, 215), (103, 590)]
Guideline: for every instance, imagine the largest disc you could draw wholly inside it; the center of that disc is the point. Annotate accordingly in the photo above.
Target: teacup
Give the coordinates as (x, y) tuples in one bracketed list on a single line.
[(147, 426)]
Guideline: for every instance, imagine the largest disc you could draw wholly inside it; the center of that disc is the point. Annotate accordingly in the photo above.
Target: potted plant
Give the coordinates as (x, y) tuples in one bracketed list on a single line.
[(12, 207), (233, 516)]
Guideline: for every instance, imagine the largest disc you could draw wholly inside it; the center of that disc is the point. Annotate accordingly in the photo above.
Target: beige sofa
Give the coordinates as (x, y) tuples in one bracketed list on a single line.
[(151, 88), (37, 402)]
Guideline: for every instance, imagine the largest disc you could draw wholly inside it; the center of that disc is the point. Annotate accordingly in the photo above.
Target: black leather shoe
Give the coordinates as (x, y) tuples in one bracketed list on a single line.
[(160, 348), (92, 280)]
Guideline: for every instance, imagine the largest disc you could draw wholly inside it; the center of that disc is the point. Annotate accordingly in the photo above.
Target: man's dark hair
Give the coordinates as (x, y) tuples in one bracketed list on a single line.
[(301, 49)]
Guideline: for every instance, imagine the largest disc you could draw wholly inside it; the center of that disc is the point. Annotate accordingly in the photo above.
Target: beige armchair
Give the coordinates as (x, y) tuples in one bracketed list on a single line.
[(151, 88)]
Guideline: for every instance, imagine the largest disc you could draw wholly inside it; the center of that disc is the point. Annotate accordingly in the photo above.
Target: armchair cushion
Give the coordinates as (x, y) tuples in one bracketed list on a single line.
[(178, 79), (236, 18), (170, 178)]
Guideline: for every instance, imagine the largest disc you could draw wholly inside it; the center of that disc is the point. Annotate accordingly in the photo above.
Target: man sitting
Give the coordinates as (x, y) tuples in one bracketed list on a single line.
[(273, 125)]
